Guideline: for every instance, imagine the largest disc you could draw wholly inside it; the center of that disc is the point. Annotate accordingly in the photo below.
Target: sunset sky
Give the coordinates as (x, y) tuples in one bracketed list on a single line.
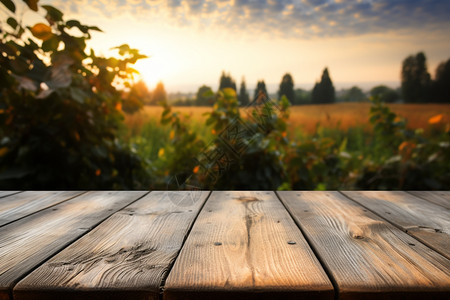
[(362, 42)]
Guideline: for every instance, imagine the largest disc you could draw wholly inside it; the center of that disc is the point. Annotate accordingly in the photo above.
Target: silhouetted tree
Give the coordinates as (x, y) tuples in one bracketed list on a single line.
[(287, 88), (441, 84), (159, 93), (226, 82), (354, 94), (243, 97), (386, 94), (136, 97), (415, 79), (260, 92), (323, 91), (205, 96)]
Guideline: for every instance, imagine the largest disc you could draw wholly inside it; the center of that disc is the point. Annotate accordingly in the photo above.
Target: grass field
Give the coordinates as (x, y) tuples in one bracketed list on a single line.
[(306, 117)]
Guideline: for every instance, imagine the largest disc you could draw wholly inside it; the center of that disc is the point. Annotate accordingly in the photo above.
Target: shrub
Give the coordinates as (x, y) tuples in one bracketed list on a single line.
[(60, 108)]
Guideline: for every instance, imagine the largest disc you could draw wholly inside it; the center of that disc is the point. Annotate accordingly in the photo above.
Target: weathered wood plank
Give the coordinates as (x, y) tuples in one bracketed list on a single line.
[(28, 242), (426, 221), (20, 205), (367, 257), (244, 245), (439, 197), (125, 257), (7, 193)]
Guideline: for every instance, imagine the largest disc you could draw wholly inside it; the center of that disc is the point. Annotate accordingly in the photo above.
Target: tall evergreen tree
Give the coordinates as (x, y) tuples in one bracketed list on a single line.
[(287, 88), (226, 81), (323, 91), (260, 92), (159, 93), (441, 84), (243, 97), (415, 79)]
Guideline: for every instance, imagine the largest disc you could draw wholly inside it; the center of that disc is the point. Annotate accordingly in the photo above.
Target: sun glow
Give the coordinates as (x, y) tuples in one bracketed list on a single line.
[(154, 69)]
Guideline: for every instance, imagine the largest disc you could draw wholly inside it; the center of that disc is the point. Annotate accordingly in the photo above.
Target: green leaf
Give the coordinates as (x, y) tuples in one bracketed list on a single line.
[(75, 23), (123, 49), (12, 22), (32, 4), (9, 5), (55, 14), (95, 28), (50, 44)]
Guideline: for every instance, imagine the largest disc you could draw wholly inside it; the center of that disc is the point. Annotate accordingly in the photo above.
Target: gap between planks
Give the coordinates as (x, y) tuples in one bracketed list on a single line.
[(127, 255), (366, 256), (29, 242)]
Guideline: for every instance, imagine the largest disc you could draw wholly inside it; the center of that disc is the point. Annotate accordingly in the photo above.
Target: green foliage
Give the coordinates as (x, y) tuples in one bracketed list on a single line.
[(205, 96), (354, 94), (60, 109), (323, 91), (415, 79), (177, 158), (403, 158), (250, 149), (384, 94), (287, 88)]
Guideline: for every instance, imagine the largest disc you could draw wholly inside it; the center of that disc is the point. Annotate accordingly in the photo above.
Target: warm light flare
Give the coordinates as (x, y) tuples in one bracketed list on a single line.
[(154, 69)]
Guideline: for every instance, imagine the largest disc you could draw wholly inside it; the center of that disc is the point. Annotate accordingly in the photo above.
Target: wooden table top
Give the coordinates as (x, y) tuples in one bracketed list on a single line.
[(224, 245)]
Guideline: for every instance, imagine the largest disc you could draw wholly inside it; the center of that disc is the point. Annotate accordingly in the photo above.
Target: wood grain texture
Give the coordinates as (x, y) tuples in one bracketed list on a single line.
[(426, 221), (28, 242), (20, 205), (125, 257), (367, 257), (437, 197), (244, 245), (7, 193)]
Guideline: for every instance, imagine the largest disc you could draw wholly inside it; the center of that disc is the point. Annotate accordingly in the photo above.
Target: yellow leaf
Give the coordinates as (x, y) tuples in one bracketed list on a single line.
[(32, 4), (195, 170), (435, 119), (402, 146), (42, 31), (172, 134), (77, 136), (161, 152), (3, 151)]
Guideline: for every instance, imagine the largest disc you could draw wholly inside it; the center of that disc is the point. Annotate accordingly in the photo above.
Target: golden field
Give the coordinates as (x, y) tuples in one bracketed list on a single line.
[(306, 117)]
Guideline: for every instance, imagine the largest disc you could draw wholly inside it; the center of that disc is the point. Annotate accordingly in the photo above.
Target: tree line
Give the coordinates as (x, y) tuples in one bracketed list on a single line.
[(417, 86)]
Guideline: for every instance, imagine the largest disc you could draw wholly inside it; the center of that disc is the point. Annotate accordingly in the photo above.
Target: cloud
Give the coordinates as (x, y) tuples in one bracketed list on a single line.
[(288, 18)]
